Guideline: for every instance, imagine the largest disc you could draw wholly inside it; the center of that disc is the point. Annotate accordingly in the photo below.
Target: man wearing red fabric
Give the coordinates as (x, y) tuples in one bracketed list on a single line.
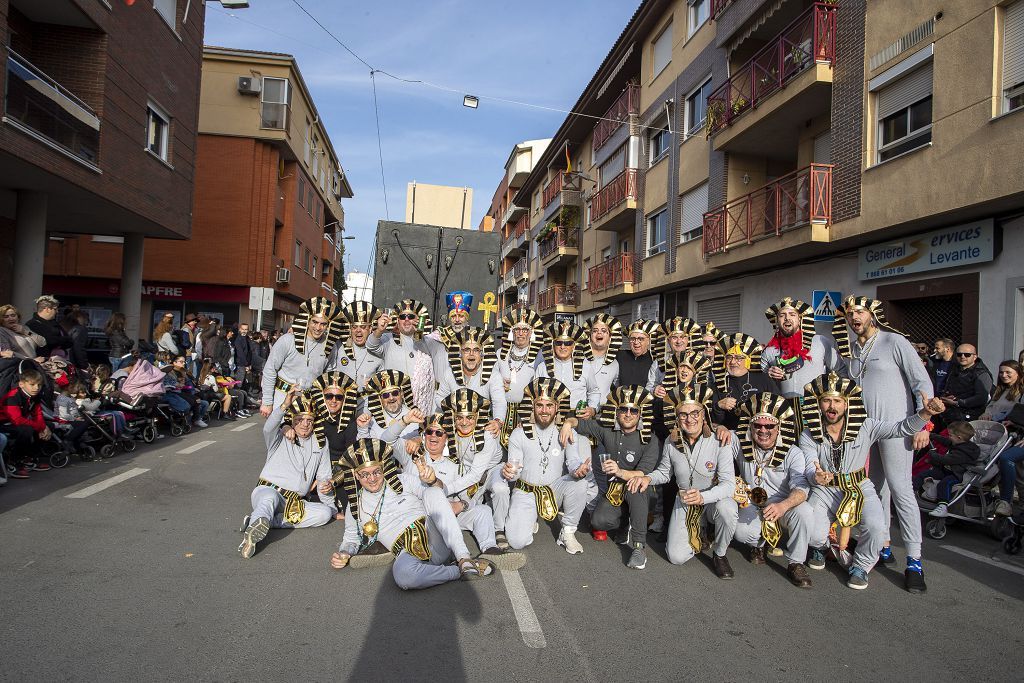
[(21, 419), (796, 355)]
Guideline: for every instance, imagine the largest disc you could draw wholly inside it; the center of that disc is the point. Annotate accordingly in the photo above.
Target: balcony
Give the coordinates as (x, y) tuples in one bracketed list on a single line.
[(518, 305), (796, 199), (718, 6), (552, 189), (511, 213), (564, 190), (515, 241), (512, 275), (797, 62), (625, 108), (612, 207), (614, 279), (42, 108), (560, 245), (558, 299)]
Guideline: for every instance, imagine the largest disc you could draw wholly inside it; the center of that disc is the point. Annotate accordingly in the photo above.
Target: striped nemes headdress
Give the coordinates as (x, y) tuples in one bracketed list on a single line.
[(738, 343), (652, 329), (805, 312), (465, 402), (318, 306), (680, 325), (303, 405), (335, 383), (356, 313), (488, 355), (771, 407), (366, 453), (383, 382), (548, 388), (424, 325), (614, 328), (631, 396), (519, 317), (566, 331), (693, 358), (692, 394), (840, 330), (830, 385)]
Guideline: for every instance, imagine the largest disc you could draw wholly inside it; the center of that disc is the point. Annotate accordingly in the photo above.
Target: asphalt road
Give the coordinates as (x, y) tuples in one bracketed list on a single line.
[(141, 579)]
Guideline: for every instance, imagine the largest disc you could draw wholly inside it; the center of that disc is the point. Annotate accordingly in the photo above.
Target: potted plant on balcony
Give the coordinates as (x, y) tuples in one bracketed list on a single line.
[(739, 104), (713, 118)]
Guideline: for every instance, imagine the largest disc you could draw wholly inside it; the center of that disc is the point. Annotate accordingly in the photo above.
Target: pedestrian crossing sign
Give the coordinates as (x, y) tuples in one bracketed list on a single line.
[(825, 303)]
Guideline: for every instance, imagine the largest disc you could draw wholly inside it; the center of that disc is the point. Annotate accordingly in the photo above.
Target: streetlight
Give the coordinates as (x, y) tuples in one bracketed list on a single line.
[(471, 101)]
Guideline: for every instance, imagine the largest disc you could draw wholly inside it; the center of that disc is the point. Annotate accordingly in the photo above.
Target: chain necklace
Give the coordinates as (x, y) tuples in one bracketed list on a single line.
[(691, 463), (391, 417), (371, 528), (463, 452), (745, 390), (310, 346), (837, 454), (760, 462), (544, 448), (861, 354)]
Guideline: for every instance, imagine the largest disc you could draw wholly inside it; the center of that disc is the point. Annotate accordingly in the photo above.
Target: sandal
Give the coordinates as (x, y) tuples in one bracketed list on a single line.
[(475, 569)]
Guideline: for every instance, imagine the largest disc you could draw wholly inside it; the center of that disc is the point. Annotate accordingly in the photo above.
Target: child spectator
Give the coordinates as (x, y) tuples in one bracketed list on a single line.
[(69, 411), (950, 467), (21, 420)]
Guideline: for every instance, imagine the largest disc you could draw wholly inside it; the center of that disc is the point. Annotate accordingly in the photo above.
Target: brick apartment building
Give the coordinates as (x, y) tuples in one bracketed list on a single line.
[(101, 103), (751, 149), (267, 209)]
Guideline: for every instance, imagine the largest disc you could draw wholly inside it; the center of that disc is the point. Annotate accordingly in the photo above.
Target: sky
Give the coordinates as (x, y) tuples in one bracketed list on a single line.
[(540, 53)]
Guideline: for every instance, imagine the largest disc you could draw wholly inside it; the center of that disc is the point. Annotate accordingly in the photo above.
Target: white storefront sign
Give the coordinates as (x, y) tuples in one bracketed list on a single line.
[(960, 245)]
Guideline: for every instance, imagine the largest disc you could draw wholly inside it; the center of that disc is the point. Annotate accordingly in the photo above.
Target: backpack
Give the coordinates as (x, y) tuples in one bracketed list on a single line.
[(180, 340)]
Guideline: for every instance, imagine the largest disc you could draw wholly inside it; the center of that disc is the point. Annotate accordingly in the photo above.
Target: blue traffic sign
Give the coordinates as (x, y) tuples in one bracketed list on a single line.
[(825, 303)]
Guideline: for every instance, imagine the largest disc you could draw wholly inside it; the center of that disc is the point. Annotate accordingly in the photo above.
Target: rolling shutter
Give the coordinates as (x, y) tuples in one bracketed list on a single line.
[(724, 311), (912, 88), (1013, 45), (695, 203)]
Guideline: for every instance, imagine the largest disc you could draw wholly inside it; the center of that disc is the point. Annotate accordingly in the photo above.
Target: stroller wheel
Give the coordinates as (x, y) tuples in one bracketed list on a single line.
[(87, 454), (177, 430), (936, 528), (1000, 527), (108, 450), (59, 459), (127, 445), (149, 434), (1012, 544)]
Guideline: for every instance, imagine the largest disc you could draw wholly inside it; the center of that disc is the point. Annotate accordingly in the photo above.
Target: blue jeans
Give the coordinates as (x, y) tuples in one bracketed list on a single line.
[(115, 363), (176, 401), (944, 489), (1008, 460)]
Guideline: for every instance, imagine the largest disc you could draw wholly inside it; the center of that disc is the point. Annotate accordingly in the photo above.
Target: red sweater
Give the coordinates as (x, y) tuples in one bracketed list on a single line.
[(23, 410)]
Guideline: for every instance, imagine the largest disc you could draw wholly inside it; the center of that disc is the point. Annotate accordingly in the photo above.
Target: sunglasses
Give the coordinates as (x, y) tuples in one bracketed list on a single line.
[(434, 432), (562, 342), (407, 316), (333, 397), (763, 427), (964, 355), (630, 410), (391, 394)]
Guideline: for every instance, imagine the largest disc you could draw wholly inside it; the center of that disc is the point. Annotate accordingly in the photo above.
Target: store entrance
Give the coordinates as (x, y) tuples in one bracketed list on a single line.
[(926, 310)]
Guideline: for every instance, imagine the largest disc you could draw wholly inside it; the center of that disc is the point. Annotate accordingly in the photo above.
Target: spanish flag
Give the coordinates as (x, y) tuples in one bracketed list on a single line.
[(568, 162)]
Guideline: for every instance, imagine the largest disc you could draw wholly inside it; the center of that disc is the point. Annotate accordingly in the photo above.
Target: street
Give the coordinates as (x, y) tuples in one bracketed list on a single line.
[(127, 569)]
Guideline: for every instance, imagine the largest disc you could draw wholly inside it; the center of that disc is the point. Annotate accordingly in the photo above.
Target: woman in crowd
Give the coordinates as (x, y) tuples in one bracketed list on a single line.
[(76, 325), (162, 335), (120, 343), (1007, 393), (179, 393), (16, 340)]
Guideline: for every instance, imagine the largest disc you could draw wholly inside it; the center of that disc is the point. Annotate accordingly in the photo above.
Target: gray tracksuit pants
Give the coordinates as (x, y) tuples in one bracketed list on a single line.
[(446, 544), (824, 503), (571, 497), (267, 502), (722, 513), (797, 522)]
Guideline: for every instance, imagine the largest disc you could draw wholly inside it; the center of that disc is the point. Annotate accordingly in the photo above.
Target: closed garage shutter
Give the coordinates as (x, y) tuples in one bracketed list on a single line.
[(912, 88), (724, 311)]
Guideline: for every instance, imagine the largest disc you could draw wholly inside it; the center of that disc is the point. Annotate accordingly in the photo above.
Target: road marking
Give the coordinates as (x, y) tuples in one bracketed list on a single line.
[(242, 428), (117, 479), (195, 447), (529, 625), (982, 558)]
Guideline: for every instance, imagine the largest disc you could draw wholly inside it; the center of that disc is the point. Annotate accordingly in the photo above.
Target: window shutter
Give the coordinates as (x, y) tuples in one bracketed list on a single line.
[(912, 88), (1013, 45), (695, 204), (823, 148), (724, 311)]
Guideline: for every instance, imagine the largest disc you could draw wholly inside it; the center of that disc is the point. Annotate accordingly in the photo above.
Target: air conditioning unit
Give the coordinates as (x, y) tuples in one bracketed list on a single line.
[(247, 85), (283, 275)]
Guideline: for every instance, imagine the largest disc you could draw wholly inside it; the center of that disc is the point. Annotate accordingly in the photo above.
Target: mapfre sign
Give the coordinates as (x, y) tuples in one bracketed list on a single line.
[(960, 245)]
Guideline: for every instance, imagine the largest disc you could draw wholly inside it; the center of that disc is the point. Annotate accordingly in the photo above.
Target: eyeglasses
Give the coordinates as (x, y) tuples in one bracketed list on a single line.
[(407, 316), (629, 410), (434, 432), (692, 415), (333, 397), (563, 342), (761, 427), (371, 474), (637, 340), (390, 394), (961, 354), (733, 356)]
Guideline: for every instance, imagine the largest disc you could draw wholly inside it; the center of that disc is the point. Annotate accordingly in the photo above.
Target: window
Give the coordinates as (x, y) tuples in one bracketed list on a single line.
[(316, 158), (1013, 57), (661, 51), (694, 205), (614, 167), (586, 272), (697, 108), (657, 232), (314, 271), (307, 142), (623, 246), (168, 11), (905, 113), (298, 253), (302, 191), (700, 11), (309, 200), (606, 253), (274, 101), (658, 144), (157, 127), (305, 259)]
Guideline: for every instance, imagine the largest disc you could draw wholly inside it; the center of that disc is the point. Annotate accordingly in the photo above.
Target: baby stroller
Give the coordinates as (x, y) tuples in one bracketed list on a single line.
[(101, 438), (973, 499)]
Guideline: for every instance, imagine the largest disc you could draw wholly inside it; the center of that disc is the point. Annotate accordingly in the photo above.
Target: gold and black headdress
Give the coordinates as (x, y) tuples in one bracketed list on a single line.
[(766, 405), (384, 382), (337, 383), (697, 394), (488, 355), (543, 387), (830, 385), (423, 324), (356, 313), (614, 344), (303, 405), (519, 317), (652, 329), (680, 325), (631, 396), (691, 357), (317, 306), (566, 331), (840, 330), (805, 312), (738, 343), (364, 453), (465, 402)]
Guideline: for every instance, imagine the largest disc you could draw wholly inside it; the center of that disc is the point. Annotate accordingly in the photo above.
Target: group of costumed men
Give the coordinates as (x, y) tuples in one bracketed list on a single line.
[(413, 435)]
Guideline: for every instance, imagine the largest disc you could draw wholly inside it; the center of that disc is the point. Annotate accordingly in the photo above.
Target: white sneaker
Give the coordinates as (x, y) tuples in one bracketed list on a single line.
[(941, 510), (200, 424), (567, 539)]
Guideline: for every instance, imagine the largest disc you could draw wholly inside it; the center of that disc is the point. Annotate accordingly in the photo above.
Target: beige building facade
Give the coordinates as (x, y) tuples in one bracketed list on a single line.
[(746, 150), (441, 205)]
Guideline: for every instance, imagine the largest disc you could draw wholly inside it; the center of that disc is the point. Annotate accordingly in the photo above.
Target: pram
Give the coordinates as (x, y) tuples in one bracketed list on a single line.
[(973, 498), (101, 434)]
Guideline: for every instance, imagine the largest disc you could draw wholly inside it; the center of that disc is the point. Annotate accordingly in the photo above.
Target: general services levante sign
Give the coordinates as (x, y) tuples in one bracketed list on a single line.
[(961, 245)]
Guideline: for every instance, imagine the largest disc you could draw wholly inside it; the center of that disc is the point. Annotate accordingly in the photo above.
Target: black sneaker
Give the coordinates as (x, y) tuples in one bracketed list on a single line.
[(886, 557), (913, 577)]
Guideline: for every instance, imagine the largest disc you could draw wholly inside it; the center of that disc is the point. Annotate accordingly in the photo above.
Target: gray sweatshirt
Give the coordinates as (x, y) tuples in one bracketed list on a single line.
[(286, 363), (697, 466), (583, 389), (519, 373), (358, 368), (824, 357), (493, 391), (890, 373), (627, 449), (294, 466), (604, 377), (543, 458), (779, 481), (855, 453)]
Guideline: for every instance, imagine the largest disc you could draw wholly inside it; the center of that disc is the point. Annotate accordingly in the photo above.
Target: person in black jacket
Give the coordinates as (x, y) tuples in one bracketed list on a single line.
[(44, 324), (75, 324), (949, 468), (120, 344), (737, 365), (635, 362), (967, 387)]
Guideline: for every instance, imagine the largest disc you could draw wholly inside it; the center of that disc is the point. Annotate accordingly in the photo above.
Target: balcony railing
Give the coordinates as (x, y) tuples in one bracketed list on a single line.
[(627, 104), (717, 6), (558, 295), (801, 197), (519, 269), (51, 111), (552, 189), (559, 237), (513, 307), (616, 271), (617, 190), (810, 39)]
